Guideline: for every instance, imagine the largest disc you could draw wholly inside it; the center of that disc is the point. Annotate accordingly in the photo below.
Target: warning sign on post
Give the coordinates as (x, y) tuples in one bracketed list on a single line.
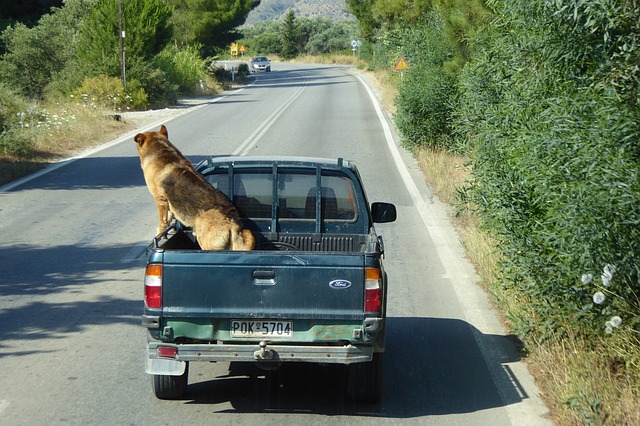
[(401, 65)]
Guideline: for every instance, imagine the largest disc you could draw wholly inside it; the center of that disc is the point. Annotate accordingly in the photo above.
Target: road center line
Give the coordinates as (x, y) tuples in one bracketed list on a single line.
[(253, 139)]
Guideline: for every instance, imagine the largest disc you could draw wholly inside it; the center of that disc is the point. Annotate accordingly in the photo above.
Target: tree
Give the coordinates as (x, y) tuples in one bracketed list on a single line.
[(26, 11), (401, 13), (35, 55), (363, 11), (334, 38), (147, 28), (461, 19), (209, 23), (290, 36)]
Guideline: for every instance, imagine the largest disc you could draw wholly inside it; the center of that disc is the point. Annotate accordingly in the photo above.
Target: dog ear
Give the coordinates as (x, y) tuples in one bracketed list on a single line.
[(163, 131), (140, 138)]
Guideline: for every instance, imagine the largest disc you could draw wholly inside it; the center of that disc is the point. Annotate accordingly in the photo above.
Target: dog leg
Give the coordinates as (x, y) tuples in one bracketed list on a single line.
[(242, 239), (212, 231), (164, 214)]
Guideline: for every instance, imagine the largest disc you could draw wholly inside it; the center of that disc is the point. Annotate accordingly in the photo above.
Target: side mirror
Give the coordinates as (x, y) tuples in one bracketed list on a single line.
[(383, 212)]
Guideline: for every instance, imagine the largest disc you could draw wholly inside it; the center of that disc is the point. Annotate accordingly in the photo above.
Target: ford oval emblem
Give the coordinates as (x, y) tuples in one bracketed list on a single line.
[(340, 284)]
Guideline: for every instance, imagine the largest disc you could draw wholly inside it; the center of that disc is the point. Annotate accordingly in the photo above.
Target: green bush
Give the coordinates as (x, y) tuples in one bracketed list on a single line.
[(243, 69), (160, 90), (426, 91), (15, 115), (35, 55), (549, 108), (109, 92), (182, 67)]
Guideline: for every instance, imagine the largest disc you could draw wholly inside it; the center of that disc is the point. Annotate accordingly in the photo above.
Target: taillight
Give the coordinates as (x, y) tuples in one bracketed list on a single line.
[(153, 286), (167, 352), (372, 290)]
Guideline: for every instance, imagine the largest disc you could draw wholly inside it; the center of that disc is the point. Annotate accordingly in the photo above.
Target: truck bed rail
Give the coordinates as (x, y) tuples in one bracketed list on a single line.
[(176, 238)]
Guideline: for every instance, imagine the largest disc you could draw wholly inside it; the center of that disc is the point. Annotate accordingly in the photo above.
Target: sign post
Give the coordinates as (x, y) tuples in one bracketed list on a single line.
[(355, 45)]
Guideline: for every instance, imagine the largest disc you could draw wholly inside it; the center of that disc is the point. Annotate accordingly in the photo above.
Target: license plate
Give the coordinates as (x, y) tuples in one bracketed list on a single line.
[(261, 328)]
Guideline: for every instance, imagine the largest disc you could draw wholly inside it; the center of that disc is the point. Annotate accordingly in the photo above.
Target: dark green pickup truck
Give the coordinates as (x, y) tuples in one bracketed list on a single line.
[(313, 290)]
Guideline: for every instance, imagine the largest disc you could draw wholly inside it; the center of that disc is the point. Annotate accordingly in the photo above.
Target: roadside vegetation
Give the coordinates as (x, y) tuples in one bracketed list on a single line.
[(525, 117), (292, 37), (61, 82), (523, 114)]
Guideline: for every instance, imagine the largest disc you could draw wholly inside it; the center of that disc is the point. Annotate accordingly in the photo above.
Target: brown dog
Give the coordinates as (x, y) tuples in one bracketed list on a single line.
[(180, 190)]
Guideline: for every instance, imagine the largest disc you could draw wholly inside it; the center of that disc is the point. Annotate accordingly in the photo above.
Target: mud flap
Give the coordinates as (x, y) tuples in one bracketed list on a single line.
[(164, 366)]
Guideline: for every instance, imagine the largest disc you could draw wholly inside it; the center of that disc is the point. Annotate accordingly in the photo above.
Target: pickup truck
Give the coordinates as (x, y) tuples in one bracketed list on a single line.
[(312, 291)]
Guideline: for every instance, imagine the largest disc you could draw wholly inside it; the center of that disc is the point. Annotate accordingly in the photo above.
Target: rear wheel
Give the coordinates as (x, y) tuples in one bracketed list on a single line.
[(170, 387), (365, 380)]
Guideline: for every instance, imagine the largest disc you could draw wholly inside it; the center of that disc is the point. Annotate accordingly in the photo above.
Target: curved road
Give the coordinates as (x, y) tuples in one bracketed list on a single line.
[(71, 266)]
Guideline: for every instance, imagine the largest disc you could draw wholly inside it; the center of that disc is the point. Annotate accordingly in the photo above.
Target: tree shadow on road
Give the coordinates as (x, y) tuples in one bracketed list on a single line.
[(52, 292)]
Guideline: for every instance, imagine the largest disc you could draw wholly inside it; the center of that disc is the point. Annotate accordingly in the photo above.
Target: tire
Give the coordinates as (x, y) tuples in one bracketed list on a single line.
[(170, 387), (365, 380)]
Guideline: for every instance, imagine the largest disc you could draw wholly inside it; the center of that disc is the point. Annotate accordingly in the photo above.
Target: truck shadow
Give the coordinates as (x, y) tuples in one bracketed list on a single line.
[(433, 366)]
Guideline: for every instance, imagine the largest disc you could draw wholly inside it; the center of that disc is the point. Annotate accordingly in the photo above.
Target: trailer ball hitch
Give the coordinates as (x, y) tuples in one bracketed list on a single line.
[(263, 354)]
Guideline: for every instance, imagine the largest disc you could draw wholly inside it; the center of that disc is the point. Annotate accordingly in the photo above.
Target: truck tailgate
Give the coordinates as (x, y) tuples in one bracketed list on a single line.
[(263, 285)]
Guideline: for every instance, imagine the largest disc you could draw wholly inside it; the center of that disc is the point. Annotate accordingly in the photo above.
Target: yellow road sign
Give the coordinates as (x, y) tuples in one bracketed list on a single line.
[(401, 65)]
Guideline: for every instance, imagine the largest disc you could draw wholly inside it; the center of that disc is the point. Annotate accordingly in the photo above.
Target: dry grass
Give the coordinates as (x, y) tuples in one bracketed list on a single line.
[(582, 382), (327, 59), (64, 131), (447, 175), (386, 87)]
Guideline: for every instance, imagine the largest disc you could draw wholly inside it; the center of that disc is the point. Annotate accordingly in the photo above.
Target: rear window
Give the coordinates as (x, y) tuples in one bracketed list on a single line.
[(296, 195)]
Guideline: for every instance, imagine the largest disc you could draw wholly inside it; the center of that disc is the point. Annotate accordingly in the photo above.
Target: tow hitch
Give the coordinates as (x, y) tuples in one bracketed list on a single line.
[(263, 354)]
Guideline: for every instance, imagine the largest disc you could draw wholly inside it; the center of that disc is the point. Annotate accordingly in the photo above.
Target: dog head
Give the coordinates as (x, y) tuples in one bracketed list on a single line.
[(146, 141)]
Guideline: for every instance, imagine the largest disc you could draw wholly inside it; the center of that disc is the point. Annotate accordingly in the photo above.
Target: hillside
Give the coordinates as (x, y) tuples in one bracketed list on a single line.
[(275, 9)]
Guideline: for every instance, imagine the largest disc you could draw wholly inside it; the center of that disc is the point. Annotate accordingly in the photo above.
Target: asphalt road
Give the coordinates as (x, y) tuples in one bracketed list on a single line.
[(72, 254)]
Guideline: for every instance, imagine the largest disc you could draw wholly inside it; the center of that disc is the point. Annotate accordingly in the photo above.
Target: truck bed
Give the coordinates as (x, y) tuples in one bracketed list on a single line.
[(177, 238), (286, 277)]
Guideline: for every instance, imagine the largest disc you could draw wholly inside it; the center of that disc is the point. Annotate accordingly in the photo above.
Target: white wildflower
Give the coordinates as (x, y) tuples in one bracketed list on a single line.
[(607, 274), (608, 329), (599, 298), (586, 278), (610, 269), (615, 321)]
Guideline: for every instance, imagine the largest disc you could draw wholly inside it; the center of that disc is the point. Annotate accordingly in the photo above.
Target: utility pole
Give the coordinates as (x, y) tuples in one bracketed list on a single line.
[(122, 71)]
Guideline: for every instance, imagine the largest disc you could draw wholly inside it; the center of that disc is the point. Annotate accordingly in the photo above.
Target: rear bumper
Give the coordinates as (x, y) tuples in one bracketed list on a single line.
[(264, 353)]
